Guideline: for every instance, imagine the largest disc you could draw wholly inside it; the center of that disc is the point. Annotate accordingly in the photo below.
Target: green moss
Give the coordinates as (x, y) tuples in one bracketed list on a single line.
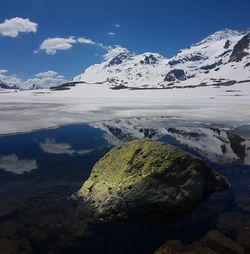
[(136, 160), (144, 179)]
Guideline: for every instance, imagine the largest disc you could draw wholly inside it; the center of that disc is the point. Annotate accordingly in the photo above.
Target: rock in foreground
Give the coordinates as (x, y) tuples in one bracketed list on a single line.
[(148, 180), (212, 243)]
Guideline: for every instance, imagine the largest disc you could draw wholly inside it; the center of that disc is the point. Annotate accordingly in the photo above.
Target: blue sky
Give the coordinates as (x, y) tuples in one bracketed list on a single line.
[(145, 25)]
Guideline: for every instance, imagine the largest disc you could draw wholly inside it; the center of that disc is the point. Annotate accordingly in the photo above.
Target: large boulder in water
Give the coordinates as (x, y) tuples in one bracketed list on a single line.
[(148, 180)]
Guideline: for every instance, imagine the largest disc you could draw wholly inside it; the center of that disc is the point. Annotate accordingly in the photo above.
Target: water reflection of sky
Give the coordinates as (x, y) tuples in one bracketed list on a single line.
[(40, 146)]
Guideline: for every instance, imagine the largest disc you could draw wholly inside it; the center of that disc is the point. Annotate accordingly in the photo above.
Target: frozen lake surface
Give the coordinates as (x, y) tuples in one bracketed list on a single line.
[(24, 111)]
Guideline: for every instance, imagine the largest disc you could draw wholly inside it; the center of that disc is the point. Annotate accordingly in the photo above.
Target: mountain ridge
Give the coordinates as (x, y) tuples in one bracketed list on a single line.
[(208, 62)]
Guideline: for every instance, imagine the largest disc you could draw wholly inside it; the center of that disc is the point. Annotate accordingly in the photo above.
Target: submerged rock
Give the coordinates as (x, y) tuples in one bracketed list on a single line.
[(221, 243), (232, 236), (242, 201), (212, 243), (236, 226), (171, 247), (148, 180)]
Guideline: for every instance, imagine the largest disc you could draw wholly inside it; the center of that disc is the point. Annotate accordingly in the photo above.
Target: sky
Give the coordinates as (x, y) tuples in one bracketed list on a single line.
[(52, 40)]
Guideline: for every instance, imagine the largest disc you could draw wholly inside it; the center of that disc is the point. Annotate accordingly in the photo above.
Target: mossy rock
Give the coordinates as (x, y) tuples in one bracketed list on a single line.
[(148, 180)]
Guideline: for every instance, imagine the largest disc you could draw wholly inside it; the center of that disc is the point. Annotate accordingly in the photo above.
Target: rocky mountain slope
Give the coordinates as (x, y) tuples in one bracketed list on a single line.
[(222, 58)]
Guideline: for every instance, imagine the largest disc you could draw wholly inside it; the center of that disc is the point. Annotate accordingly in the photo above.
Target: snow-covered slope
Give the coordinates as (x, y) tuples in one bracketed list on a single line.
[(127, 69), (222, 58)]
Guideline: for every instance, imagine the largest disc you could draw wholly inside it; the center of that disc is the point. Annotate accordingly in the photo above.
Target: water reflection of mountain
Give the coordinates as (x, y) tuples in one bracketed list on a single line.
[(215, 144)]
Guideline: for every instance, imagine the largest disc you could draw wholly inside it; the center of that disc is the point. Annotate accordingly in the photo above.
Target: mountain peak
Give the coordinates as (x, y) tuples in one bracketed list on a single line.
[(114, 52), (225, 33), (221, 35)]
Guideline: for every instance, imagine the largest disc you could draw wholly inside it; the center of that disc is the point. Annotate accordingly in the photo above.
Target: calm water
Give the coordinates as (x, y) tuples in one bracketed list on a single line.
[(39, 171)]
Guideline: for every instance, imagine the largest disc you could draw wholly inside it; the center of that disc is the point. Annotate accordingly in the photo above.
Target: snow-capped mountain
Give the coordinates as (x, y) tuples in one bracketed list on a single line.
[(216, 145), (127, 69), (34, 87), (4, 85), (222, 58)]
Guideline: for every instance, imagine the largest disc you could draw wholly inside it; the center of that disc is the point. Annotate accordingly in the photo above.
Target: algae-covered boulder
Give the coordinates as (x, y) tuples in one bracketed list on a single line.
[(148, 180)]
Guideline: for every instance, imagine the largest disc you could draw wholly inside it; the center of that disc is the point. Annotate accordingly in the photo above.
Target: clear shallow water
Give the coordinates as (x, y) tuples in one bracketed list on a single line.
[(42, 169)]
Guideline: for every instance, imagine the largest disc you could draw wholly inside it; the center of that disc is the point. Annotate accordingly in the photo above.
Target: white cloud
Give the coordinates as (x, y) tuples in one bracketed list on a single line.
[(84, 40), (12, 163), (9, 79), (47, 74), (85, 151), (12, 27), (117, 25), (51, 45), (45, 80), (51, 146), (111, 33)]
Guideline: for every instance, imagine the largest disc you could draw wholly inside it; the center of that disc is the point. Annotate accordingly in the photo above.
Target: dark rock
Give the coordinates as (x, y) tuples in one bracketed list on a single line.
[(224, 53), (66, 86), (148, 180), (236, 226), (175, 74), (237, 145), (221, 243), (208, 67), (211, 66), (233, 237), (117, 132), (227, 44), (8, 86), (184, 133), (150, 59), (247, 65), (226, 83), (176, 247), (171, 247), (230, 223), (174, 62), (239, 49), (119, 87), (243, 238), (243, 81), (191, 58), (212, 243), (119, 59)]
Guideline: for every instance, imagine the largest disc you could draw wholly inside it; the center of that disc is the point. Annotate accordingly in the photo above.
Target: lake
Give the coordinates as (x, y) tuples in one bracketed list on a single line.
[(41, 170)]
